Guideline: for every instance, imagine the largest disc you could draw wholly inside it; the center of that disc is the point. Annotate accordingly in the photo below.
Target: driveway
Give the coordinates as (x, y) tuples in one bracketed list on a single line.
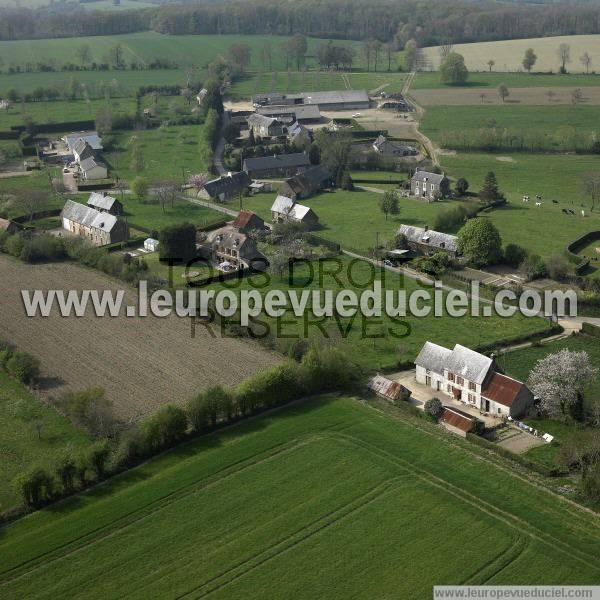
[(422, 393)]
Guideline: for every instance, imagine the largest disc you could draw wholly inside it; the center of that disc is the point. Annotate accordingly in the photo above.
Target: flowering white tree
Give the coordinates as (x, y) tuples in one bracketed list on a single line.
[(198, 181), (559, 380)]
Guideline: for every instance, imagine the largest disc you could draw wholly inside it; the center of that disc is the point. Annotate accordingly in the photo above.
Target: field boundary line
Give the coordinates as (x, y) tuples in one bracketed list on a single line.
[(144, 512), (513, 521), (301, 535), (498, 563)]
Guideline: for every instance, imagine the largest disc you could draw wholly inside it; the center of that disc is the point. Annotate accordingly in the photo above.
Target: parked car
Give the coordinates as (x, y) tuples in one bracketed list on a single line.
[(388, 263)]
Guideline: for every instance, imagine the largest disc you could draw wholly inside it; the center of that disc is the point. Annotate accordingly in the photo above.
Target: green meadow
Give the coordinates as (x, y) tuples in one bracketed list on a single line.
[(389, 504), (30, 433), (545, 230)]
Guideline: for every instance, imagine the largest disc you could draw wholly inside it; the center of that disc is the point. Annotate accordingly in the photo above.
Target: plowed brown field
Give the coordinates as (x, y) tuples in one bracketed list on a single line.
[(142, 363)]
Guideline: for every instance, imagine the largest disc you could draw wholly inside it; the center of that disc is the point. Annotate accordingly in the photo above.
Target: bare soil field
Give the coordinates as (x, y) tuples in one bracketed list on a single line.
[(509, 54), (142, 363), (530, 96)]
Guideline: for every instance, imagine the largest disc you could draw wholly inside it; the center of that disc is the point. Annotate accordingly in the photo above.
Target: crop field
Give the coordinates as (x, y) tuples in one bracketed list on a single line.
[(546, 97), (388, 506), (554, 121), (431, 80), (30, 432), (545, 230), (185, 50), (508, 54), (375, 343), (142, 363)]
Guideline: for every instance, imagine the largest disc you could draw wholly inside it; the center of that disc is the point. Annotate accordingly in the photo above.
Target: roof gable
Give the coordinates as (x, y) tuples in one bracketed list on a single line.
[(469, 364), (433, 357), (435, 239), (503, 389)]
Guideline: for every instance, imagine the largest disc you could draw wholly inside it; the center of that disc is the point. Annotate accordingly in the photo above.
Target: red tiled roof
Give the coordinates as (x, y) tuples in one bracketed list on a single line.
[(243, 219), (502, 389), (457, 418)]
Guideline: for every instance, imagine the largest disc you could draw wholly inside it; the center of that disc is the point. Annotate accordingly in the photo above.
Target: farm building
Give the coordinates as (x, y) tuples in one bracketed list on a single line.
[(231, 249), (388, 389), (8, 226), (278, 165), (391, 148), (82, 150), (105, 203), (298, 133), (307, 183), (426, 241), (265, 127), (225, 187), (99, 228), (150, 245), (334, 100), (91, 169), (285, 209), (472, 378), (429, 185), (459, 421), (309, 113), (247, 221), (90, 137)]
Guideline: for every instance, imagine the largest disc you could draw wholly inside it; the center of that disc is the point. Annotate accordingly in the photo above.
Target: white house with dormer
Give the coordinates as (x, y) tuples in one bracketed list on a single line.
[(472, 378)]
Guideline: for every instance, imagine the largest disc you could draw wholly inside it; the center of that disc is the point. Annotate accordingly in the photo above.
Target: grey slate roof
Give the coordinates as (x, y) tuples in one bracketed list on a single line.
[(469, 364), (89, 163), (296, 129), (426, 175), (91, 137), (319, 98), (435, 239), (100, 201), (82, 149), (261, 121), (90, 217), (300, 112), (282, 205), (227, 184), (310, 180), (433, 357), (279, 161)]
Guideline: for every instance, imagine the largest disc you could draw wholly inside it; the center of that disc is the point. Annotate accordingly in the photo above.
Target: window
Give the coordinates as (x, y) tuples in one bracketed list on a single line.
[(460, 380), (472, 386), (451, 376), (449, 388), (472, 398)]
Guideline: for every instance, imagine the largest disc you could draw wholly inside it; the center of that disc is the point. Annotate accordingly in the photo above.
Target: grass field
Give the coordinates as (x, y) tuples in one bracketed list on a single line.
[(169, 153), (508, 54), (354, 219), (431, 80), (542, 121), (375, 343), (186, 50), (544, 230), (22, 415), (389, 508)]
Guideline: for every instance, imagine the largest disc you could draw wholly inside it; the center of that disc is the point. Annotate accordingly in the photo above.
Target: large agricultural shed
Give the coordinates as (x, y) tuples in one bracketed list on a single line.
[(336, 100)]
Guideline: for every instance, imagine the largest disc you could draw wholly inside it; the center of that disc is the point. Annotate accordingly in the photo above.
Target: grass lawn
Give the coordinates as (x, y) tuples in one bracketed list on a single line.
[(179, 274), (544, 230), (518, 364), (390, 508), (376, 343), (431, 80), (21, 416), (542, 121), (354, 219), (169, 153)]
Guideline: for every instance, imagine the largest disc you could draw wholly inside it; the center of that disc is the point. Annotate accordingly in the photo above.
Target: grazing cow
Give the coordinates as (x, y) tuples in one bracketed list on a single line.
[(554, 201), (583, 213), (525, 199), (571, 211), (565, 211), (538, 197), (538, 203)]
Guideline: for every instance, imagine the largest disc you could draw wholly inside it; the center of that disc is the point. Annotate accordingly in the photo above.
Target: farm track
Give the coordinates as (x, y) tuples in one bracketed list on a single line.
[(498, 563), (139, 514)]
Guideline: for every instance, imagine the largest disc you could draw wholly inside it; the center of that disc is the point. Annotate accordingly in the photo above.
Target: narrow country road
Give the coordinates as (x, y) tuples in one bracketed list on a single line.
[(220, 148)]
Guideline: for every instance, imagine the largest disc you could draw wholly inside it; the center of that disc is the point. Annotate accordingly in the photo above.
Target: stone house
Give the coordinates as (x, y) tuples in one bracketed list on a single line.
[(430, 186), (278, 165), (99, 228), (307, 183), (423, 240)]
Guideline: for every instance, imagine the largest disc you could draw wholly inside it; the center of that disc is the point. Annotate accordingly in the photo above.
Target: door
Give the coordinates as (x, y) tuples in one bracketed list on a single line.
[(439, 386), (487, 406), (428, 380)]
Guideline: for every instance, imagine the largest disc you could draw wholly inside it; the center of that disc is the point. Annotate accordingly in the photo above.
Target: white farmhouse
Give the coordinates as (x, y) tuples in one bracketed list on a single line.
[(473, 379)]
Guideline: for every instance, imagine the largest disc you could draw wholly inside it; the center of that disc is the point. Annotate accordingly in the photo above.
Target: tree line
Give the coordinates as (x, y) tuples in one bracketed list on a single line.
[(431, 23)]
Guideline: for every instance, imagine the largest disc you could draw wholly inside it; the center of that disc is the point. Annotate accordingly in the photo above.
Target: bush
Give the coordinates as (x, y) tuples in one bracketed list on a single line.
[(164, 428), (43, 247), (590, 484), (35, 486), (14, 245), (434, 408), (23, 367), (91, 410), (178, 243), (325, 369), (66, 469), (209, 407), (514, 255), (98, 457), (479, 241), (534, 267)]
